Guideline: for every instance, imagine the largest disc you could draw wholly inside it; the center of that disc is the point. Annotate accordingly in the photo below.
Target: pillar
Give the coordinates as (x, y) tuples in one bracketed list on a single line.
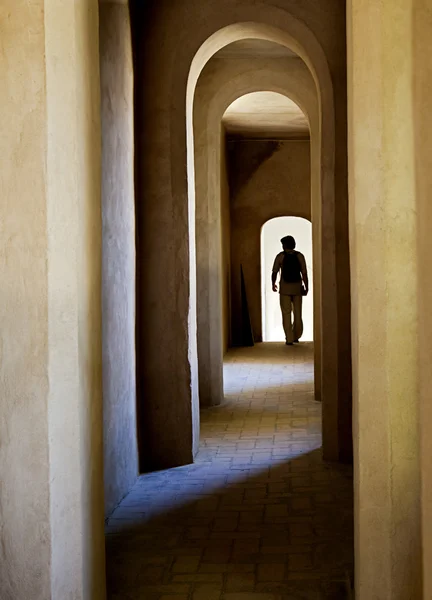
[(422, 80), (118, 252), (51, 497), (210, 196), (166, 336), (384, 262)]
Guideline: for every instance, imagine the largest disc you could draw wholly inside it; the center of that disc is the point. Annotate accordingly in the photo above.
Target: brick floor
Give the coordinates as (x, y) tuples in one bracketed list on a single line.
[(259, 516)]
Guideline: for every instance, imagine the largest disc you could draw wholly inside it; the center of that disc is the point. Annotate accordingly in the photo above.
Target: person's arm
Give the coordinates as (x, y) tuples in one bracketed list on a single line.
[(275, 271), (304, 273), (274, 277)]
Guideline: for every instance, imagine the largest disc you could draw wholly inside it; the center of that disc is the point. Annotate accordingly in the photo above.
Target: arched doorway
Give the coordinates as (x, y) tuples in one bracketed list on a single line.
[(327, 359), (216, 91), (271, 233), (167, 332)]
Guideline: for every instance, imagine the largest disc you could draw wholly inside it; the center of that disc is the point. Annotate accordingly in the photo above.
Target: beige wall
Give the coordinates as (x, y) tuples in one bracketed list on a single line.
[(390, 182), (422, 93), (51, 496), (118, 253), (25, 559), (384, 236), (50, 426), (268, 179)]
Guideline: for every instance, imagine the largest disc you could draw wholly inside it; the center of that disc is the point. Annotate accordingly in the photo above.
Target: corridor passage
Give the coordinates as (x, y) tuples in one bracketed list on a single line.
[(259, 516)]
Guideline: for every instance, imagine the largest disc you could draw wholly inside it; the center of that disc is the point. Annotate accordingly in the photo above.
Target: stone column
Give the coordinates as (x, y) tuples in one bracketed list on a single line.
[(167, 366), (208, 239), (118, 251), (422, 80), (383, 235), (51, 497)]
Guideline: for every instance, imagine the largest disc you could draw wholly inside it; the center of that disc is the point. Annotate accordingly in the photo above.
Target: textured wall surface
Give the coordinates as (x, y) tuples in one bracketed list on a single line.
[(422, 72), (51, 498), (278, 186), (118, 254), (51, 504), (384, 219), (24, 466)]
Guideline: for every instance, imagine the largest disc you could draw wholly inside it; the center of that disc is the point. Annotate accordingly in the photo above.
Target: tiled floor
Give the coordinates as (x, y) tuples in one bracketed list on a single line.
[(259, 516)]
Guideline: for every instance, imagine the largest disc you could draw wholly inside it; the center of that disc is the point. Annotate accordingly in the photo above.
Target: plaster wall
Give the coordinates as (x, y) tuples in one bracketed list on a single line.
[(24, 463), (213, 276), (118, 253), (422, 90), (51, 499), (279, 186), (184, 36), (384, 232)]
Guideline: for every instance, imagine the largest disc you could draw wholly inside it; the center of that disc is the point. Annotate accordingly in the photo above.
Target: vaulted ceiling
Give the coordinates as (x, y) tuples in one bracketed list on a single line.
[(262, 115), (265, 115)]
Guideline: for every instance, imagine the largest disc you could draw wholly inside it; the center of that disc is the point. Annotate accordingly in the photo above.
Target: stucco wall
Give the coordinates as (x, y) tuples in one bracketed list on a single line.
[(51, 497), (118, 253), (385, 319), (422, 92), (268, 179), (24, 493)]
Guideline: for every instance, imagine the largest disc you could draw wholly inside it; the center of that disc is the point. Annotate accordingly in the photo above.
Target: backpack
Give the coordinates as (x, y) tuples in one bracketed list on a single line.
[(291, 271)]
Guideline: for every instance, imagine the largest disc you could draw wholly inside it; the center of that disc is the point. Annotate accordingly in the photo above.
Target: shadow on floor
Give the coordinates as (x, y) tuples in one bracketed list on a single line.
[(259, 516), (284, 534)]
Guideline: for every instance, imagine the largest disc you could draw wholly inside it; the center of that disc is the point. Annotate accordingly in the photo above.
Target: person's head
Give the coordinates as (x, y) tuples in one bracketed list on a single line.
[(288, 242)]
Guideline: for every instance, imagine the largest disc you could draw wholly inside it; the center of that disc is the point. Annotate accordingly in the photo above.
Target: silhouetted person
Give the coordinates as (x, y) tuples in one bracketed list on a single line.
[(293, 285)]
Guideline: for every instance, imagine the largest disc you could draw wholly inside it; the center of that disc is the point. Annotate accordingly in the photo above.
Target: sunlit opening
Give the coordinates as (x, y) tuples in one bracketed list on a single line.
[(271, 234)]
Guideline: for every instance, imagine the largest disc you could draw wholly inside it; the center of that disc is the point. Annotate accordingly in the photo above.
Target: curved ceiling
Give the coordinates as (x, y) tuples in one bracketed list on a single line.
[(250, 48), (265, 115), (262, 115)]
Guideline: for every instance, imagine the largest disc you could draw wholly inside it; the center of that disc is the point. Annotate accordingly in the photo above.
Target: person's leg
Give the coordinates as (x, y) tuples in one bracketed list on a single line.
[(298, 322), (286, 308)]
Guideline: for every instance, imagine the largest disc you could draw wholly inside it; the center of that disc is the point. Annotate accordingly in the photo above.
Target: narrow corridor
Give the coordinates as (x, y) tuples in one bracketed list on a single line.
[(259, 516)]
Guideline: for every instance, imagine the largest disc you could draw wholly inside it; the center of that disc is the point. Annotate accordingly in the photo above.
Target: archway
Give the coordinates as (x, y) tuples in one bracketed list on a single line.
[(169, 336), (214, 93), (324, 195), (219, 86)]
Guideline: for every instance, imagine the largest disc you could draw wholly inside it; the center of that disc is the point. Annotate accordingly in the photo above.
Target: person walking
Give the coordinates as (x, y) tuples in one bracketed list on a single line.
[(293, 285)]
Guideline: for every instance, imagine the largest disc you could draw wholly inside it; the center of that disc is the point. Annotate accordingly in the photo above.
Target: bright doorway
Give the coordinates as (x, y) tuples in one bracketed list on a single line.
[(271, 234)]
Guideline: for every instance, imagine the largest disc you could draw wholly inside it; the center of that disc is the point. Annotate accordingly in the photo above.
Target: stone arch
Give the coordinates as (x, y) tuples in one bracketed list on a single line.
[(168, 336), (297, 86), (293, 81), (297, 38)]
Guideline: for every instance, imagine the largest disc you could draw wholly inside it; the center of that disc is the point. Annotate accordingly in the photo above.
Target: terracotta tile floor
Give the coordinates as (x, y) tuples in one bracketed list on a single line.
[(259, 516)]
